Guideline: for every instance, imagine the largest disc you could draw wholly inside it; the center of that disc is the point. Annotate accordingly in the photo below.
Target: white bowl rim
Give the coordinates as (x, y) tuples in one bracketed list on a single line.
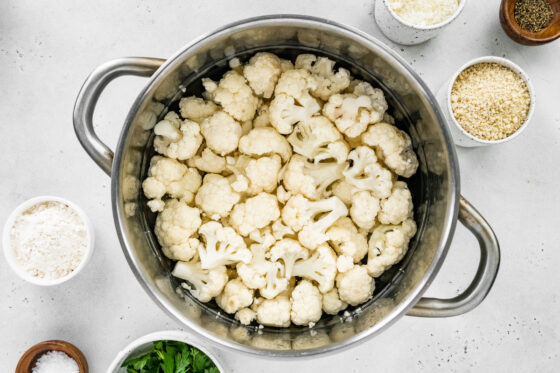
[(6, 242), (504, 62), (169, 335), (431, 27)]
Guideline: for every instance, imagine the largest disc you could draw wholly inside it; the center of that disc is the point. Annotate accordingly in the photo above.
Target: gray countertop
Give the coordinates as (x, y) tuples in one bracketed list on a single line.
[(48, 48)]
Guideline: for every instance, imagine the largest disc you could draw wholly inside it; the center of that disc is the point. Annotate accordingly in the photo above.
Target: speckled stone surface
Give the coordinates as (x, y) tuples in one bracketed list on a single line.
[(47, 50)]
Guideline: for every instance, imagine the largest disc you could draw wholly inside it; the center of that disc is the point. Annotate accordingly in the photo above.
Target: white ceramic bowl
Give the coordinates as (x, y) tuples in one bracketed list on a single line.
[(9, 254), (144, 344), (462, 137), (403, 32)]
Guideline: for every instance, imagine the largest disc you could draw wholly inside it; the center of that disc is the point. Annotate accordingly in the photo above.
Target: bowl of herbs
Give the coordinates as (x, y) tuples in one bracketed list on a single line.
[(165, 352)]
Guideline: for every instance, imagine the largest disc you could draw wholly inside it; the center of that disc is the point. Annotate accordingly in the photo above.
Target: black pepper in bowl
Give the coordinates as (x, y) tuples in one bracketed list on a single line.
[(533, 15)]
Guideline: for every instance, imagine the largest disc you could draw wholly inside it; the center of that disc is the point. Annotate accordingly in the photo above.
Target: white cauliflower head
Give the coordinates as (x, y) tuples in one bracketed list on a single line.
[(196, 109), (328, 82), (367, 174), (346, 240), (245, 316), (256, 212), (208, 161), (394, 147), (203, 284), (355, 286), (300, 212), (167, 176), (221, 132), (235, 96), (262, 73), (261, 173), (222, 246), (353, 112), (285, 111), (365, 207), (264, 141), (310, 179), (398, 206), (215, 196), (332, 303), (235, 296), (253, 273), (176, 223), (183, 251), (318, 139), (288, 251), (319, 267), (175, 138), (274, 312), (387, 245), (307, 303)]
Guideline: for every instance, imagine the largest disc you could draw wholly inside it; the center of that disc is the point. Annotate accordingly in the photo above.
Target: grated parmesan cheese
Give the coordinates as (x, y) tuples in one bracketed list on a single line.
[(424, 12), (490, 101), (49, 240)]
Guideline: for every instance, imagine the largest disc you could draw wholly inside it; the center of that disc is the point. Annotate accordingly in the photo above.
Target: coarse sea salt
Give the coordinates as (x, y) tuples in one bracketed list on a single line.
[(55, 362)]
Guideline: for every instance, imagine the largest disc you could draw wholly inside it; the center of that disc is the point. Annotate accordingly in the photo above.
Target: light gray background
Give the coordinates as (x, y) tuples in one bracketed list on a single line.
[(47, 48)]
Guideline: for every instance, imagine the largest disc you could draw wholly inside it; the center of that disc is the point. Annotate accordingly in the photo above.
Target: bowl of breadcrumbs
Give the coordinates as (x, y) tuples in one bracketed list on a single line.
[(490, 100)]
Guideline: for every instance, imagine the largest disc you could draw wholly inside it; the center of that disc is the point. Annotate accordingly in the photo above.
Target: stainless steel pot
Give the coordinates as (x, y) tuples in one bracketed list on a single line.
[(435, 187)]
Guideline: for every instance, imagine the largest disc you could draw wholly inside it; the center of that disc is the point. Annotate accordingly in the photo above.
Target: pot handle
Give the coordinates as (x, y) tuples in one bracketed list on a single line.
[(89, 94), (485, 274)]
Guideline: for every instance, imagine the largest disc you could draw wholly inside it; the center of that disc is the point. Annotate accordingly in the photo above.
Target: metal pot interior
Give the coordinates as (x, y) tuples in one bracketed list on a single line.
[(434, 187)]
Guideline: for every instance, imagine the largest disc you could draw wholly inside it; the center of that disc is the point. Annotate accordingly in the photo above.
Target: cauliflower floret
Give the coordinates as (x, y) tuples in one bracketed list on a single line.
[(394, 147), (175, 138), (253, 274), (203, 284), (398, 206), (168, 176), (274, 312), (318, 139), (262, 73), (310, 179), (263, 174), (245, 316), (355, 286), (285, 111), (183, 251), (319, 267), (223, 246), (367, 174), (332, 303), (176, 223), (279, 230), (276, 281), (300, 212), (353, 112), (215, 196), (196, 108), (221, 132), (307, 304), (365, 207), (265, 140), (387, 246), (346, 240), (328, 82), (344, 263), (256, 212), (235, 296), (208, 161), (235, 96), (289, 252), (282, 195), (344, 191)]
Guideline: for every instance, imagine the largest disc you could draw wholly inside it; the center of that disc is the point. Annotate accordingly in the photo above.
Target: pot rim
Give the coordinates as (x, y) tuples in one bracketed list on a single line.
[(450, 215)]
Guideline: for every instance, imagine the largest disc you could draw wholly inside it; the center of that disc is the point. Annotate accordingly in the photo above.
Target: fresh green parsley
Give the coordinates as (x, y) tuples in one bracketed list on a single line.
[(171, 357)]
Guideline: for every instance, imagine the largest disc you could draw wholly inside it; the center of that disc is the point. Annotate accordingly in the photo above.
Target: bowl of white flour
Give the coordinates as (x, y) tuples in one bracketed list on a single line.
[(47, 240)]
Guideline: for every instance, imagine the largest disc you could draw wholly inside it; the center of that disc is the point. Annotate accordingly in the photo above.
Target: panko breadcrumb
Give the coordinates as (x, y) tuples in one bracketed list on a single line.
[(490, 101)]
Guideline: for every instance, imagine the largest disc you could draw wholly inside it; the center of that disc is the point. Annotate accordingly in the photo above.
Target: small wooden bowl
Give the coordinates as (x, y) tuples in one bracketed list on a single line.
[(516, 33), (29, 358)]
